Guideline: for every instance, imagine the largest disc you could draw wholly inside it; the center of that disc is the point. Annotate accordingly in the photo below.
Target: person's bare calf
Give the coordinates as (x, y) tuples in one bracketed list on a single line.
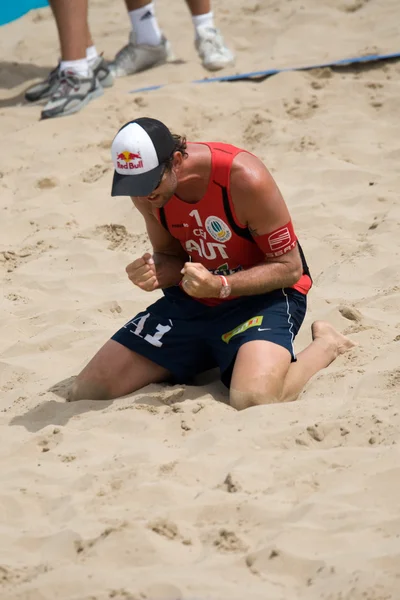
[(113, 372), (263, 373)]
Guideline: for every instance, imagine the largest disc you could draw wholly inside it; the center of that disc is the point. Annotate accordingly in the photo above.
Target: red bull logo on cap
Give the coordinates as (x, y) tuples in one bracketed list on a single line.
[(129, 160)]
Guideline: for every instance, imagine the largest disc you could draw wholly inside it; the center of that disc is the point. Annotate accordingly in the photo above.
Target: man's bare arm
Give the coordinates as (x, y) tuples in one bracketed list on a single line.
[(168, 254), (259, 204)]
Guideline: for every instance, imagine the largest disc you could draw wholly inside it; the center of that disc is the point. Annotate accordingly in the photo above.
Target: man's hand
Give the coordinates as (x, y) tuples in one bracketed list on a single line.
[(142, 272), (198, 282)]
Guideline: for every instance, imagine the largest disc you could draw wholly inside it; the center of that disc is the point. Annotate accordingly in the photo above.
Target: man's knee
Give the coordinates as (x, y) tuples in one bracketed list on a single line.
[(87, 390), (247, 398)]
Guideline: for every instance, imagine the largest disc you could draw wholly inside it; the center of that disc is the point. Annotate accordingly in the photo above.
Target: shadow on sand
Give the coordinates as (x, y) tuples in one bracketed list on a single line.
[(56, 412), (12, 75)]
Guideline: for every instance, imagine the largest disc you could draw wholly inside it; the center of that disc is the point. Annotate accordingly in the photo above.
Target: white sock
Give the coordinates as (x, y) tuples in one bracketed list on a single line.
[(80, 67), (145, 26), (91, 55), (206, 20)]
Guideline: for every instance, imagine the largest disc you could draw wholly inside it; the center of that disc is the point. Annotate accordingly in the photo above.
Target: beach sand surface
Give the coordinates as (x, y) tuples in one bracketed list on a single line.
[(170, 494)]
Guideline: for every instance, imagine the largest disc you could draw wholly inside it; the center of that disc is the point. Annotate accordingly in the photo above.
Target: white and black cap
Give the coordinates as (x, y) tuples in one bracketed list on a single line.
[(140, 151)]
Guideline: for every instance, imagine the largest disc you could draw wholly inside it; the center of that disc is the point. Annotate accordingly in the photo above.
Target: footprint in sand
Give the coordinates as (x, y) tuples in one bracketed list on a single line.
[(94, 173), (301, 109), (320, 77), (352, 5), (350, 313), (47, 183), (305, 143), (157, 591), (117, 235), (11, 260), (228, 541), (230, 484), (82, 546), (169, 530), (258, 128)]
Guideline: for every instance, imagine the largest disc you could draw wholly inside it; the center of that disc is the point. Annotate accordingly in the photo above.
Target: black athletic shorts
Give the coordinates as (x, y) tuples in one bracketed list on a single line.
[(187, 337)]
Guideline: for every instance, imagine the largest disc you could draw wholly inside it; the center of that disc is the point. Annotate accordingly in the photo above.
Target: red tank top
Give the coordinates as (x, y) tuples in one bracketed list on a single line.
[(209, 231)]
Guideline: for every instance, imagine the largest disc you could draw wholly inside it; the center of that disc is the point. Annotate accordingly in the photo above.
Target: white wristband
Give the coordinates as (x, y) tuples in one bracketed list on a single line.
[(225, 288)]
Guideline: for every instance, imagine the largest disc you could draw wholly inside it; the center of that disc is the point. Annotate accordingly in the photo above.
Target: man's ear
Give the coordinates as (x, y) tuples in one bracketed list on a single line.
[(177, 160)]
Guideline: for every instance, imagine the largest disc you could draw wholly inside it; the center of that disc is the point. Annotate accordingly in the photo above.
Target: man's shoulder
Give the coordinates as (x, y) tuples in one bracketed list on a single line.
[(247, 171), (216, 145), (244, 159)]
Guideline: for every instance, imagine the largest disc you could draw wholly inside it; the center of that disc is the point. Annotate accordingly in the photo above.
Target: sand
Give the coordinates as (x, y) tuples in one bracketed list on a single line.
[(171, 494)]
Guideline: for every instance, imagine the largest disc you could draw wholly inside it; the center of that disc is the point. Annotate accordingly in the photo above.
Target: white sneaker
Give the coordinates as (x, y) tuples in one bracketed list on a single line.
[(211, 48), (134, 57)]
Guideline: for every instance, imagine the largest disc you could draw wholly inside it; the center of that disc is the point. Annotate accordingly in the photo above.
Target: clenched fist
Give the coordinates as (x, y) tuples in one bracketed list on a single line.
[(142, 272), (198, 282)]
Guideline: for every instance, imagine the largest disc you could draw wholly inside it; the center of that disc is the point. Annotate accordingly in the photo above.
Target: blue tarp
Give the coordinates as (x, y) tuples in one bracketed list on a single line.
[(261, 75), (13, 9)]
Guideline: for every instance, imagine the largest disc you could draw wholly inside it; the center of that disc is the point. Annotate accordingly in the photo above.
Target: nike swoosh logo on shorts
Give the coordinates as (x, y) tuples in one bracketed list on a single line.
[(265, 329)]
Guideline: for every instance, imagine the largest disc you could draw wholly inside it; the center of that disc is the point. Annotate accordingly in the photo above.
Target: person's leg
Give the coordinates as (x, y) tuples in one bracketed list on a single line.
[(91, 50), (78, 52), (326, 346), (258, 375), (253, 345), (71, 20), (89, 43), (135, 4), (199, 7), (158, 344), (113, 372), (144, 22), (75, 81), (147, 47), (89, 38), (208, 40), (76, 84), (96, 62), (73, 32), (263, 372)]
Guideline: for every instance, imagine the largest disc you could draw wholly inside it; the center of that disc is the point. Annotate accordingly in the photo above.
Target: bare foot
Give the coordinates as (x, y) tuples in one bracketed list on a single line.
[(335, 341)]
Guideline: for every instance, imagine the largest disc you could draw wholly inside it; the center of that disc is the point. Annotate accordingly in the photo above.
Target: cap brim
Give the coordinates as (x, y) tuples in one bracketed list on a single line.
[(136, 185)]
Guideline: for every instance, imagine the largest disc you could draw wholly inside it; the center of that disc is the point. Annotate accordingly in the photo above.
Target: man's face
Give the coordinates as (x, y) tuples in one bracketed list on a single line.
[(165, 189), (167, 185)]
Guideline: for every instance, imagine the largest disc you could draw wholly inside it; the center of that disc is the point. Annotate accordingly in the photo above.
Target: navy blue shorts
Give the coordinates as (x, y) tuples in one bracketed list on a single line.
[(187, 337)]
